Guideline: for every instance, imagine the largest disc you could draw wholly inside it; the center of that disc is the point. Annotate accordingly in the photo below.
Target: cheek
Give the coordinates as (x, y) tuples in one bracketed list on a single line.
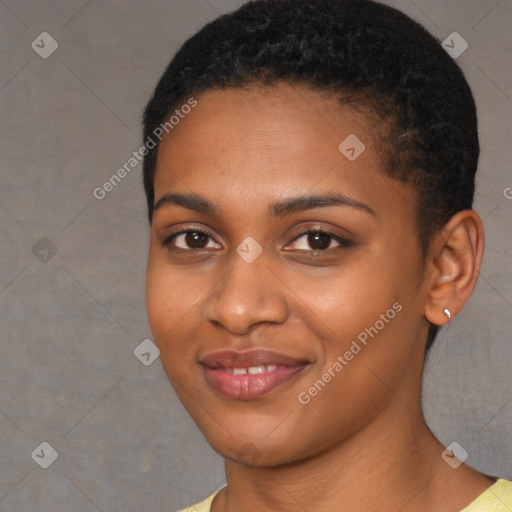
[(341, 302), (360, 311), (164, 311), (167, 297), (173, 300), (157, 302), (164, 307)]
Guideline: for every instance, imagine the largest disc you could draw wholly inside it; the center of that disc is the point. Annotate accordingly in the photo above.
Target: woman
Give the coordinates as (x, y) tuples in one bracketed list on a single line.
[(309, 175)]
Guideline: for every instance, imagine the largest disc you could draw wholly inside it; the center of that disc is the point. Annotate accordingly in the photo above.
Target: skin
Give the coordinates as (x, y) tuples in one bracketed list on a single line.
[(360, 444)]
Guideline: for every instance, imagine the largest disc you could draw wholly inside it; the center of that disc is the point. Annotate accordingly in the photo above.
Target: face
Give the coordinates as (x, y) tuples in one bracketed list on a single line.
[(284, 281)]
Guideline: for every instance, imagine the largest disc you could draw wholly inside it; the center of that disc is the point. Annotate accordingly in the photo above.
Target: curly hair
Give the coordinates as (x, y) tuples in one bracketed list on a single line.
[(366, 54)]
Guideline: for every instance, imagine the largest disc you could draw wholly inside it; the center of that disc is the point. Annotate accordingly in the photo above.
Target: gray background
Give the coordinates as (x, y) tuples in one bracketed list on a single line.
[(70, 321)]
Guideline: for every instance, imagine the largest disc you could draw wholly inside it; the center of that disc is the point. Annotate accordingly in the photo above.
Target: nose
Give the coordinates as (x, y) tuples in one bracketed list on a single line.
[(248, 294)]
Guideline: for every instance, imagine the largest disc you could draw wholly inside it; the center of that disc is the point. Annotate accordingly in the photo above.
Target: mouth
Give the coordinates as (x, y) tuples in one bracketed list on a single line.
[(251, 374)]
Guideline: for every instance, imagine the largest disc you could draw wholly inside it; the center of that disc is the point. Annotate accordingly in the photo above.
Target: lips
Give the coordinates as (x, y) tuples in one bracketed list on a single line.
[(253, 357), (250, 374)]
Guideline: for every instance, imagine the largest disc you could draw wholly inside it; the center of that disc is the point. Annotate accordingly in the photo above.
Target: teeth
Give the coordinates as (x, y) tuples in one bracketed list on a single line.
[(256, 369), (253, 370)]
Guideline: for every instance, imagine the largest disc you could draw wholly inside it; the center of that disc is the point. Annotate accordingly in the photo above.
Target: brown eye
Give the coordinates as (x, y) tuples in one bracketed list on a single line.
[(189, 240), (196, 239), (318, 240)]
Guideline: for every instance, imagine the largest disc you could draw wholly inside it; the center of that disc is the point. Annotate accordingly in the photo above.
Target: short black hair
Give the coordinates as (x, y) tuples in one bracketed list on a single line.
[(366, 54)]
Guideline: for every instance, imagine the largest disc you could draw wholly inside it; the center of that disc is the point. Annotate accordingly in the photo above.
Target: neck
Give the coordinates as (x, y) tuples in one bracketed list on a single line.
[(392, 464)]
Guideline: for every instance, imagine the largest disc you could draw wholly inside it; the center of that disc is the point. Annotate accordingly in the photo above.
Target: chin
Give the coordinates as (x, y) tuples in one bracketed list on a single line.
[(250, 450)]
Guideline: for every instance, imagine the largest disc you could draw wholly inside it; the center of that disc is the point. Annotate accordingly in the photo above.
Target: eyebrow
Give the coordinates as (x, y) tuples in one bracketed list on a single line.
[(278, 209)]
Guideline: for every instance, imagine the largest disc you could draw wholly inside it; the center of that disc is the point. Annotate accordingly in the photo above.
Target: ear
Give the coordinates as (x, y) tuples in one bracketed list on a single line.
[(456, 258)]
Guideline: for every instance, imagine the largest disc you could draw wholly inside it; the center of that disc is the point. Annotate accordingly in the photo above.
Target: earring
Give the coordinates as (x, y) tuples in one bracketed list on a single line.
[(447, 312)]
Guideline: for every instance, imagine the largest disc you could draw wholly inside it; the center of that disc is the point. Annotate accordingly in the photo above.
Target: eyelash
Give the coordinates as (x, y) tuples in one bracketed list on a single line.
[(342, 241)]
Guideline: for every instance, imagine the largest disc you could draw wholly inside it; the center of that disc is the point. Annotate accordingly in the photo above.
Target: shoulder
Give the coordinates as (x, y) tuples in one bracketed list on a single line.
[(204, 506), (497, 498)]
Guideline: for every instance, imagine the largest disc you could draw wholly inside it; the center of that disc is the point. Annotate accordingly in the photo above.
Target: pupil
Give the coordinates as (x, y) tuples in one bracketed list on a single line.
[(193, 238), (319, 239)]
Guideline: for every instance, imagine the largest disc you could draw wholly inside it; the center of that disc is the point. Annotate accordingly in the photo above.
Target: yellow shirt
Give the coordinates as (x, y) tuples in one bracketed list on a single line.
[(498, 498)]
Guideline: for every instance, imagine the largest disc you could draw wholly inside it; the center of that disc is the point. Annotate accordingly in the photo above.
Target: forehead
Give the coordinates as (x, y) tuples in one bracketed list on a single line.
[(269, 142)]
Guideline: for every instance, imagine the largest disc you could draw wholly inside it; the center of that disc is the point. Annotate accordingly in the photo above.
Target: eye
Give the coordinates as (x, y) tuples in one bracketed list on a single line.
[(320, 240), (313, 240), (190, 239)]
